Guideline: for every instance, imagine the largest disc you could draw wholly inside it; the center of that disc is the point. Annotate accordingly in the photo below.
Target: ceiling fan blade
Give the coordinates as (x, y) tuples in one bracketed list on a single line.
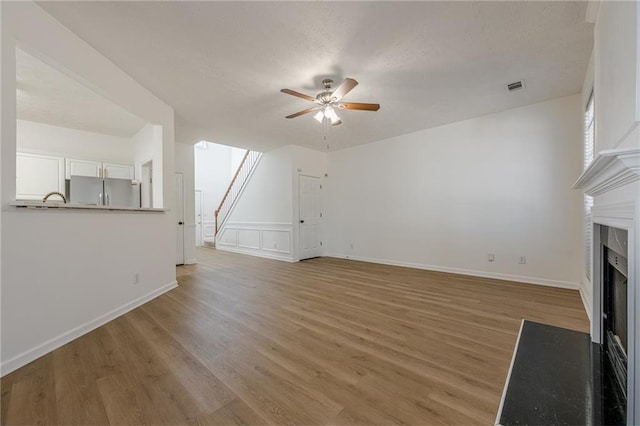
[(298, 94), (306, 111), (359, 105), (344, 88)]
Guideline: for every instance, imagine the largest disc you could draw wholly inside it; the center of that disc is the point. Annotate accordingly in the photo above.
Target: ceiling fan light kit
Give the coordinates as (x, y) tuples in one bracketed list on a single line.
[(328, 100), (328, 113)]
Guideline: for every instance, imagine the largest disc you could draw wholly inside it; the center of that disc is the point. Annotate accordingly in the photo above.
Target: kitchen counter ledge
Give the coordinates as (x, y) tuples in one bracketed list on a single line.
[(59, 205)]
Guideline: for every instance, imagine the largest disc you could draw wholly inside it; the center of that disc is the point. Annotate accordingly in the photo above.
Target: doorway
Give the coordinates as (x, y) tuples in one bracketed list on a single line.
[(309, 191)]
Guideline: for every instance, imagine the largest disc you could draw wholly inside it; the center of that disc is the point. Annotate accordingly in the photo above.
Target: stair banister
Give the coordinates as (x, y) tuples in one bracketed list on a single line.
[(235, 187)]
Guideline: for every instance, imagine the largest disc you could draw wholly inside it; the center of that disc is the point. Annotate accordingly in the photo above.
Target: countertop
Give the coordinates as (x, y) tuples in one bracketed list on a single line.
[(35, 204)]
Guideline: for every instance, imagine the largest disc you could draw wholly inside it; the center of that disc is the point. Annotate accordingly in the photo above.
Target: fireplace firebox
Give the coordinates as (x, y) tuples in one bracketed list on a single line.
[(614, 306)]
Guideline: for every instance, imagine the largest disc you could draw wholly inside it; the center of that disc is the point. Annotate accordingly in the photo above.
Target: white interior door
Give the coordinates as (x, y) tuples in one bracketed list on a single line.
[(309, 191), (179, 219), (198, 217)]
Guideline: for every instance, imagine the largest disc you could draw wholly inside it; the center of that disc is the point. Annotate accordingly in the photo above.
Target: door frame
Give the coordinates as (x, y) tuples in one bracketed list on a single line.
[(183, 219), (199, 196)]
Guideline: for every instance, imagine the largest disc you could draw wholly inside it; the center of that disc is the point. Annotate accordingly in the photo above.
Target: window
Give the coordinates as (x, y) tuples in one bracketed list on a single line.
[(589, 142), (589, 136)]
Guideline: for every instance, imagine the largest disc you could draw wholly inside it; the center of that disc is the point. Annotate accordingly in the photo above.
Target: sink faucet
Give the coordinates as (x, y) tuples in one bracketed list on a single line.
[(46, 197)]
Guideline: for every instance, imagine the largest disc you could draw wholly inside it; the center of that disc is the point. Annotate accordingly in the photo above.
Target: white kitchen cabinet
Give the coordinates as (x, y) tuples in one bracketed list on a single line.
[(118, 171), (37, 175), (91, 168), (77, 167)]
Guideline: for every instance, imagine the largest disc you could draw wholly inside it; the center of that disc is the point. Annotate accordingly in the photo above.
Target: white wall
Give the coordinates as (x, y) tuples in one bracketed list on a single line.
[(268, 197), (184, 164), (67, 272), (616, 75), (41, 138), (261, 222), (444, 198), (147, 146)]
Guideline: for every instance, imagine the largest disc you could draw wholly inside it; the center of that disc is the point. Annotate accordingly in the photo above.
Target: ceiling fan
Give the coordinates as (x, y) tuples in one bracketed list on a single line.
[(328, 100)]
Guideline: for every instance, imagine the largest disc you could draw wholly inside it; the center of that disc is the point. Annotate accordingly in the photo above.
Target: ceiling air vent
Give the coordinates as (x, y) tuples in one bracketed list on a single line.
[(515, 86)]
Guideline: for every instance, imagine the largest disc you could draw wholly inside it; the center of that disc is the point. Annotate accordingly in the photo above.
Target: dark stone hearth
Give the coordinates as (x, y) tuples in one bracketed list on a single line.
[(558, 378)]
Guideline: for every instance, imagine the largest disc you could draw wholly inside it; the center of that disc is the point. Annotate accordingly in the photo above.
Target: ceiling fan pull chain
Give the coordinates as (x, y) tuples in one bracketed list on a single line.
[(325, 125)]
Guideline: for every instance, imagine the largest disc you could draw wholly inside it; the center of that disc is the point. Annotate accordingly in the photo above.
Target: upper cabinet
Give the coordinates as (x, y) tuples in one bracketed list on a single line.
[(118, 171), (82, 168), (78, 167), (37, 175)]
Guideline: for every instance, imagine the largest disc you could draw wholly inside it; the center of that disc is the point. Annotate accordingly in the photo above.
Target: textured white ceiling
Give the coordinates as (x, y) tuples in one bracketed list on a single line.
[(46, 95), (221, 65)]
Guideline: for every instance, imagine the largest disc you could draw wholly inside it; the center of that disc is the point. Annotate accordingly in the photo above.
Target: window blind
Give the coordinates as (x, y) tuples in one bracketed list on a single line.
[(589, 140)]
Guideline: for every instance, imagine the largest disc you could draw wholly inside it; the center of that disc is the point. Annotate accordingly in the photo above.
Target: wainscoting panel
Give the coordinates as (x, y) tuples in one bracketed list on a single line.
[(228, 237), (249, 238), (276, 240), (263, 239)]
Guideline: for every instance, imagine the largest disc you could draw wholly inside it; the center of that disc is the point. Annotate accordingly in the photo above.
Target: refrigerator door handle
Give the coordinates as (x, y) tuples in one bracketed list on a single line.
[(100, 199), (107, 204)]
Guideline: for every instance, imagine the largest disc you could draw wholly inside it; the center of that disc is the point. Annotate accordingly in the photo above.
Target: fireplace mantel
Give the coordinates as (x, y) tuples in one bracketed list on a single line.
[(613, 179), (609, 170)]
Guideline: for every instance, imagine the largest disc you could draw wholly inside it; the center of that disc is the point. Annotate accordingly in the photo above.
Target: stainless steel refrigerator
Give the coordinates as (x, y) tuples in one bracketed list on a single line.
[(104, 192)]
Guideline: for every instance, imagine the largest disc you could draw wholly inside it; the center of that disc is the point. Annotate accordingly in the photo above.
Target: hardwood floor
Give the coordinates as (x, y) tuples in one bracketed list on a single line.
[(245, 340)]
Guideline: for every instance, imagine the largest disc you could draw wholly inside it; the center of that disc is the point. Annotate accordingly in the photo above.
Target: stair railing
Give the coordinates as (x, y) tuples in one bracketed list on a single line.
[(240, 178)]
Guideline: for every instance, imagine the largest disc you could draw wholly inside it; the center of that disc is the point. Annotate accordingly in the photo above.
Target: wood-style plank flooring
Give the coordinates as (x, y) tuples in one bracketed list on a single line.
[(246, 340)]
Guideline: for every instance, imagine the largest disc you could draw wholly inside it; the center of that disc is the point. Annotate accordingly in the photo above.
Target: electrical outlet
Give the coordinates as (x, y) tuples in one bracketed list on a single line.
[(136, 278), (491, 257), (522, 260)]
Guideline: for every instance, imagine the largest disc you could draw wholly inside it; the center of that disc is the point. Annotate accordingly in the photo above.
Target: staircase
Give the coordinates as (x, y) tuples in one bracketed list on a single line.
[(240, 178)]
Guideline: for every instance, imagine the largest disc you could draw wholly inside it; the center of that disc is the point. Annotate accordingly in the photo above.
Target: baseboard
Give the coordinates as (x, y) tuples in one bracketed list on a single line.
[(231, 249), (52, 344), (586, 303), (461, 271), (191, 261)]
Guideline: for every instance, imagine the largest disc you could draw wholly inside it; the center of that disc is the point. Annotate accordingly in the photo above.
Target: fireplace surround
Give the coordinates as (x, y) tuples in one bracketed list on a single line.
[(613, 179)]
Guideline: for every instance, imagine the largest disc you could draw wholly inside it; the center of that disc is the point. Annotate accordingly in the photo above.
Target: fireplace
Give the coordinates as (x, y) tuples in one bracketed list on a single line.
[(613, 180), (614, 308)]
